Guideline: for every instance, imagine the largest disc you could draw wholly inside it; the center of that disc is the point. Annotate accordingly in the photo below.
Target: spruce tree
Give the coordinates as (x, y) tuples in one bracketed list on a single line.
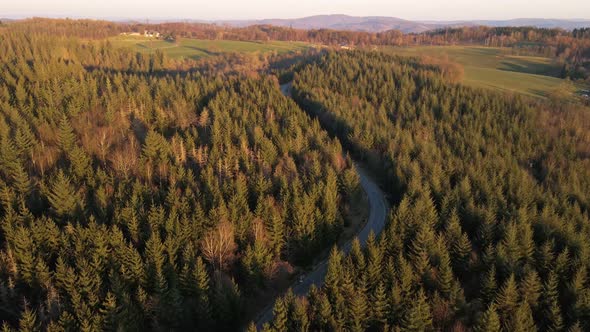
[(66, 136), (522, 319), (551, 306), (531, 288), (334, 277), (418, 316), (252, 327), (201, 278), (280, 315), (489, 321), (445, 275), (21, 180), (509, 249), (275, 230), (358, 311), (25, 140), (62, 195), (374, 261), (80, 162), (28, 321), (379, 306), (489, 286), (109, 313), (508, 298), (300, 321), (460, 252), (357, 256), (24, 254), (330, 198), (324, 313)]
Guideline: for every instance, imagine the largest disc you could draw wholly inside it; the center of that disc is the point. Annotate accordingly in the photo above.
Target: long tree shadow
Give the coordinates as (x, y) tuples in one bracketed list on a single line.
[(530, 68), (204, 50), (338, 128), (145, 72)]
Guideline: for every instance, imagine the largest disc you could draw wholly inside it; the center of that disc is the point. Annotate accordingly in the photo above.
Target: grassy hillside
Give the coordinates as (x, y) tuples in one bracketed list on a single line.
[(195, 49), (495, 68)]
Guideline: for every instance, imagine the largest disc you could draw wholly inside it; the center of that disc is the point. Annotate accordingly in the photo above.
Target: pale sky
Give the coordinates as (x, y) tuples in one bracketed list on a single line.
[(258, 9)]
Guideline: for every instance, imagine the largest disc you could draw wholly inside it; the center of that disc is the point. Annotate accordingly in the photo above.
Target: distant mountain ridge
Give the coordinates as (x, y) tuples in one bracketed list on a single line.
[(341, 22), (384, 23)]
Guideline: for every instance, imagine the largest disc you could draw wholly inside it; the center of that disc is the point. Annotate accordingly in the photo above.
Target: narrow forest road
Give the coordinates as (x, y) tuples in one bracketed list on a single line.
[(377, 217)]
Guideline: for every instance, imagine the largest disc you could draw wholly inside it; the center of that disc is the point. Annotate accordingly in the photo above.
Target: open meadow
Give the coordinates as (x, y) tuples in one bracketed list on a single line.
[(196, 49), (496, 68)]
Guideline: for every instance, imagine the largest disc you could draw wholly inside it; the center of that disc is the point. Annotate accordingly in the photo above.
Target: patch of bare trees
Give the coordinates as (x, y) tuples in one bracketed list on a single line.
[(218, 246)]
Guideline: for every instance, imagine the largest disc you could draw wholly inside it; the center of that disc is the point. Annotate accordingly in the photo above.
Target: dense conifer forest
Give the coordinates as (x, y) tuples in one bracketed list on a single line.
[(137, 196), (493, 195)]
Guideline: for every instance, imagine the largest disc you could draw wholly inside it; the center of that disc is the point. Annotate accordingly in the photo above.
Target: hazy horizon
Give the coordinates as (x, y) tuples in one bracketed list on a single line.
[(424, 10), (181, 19)]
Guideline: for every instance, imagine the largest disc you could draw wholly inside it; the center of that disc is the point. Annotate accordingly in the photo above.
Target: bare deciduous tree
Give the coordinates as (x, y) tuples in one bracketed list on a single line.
[(126, 157), (219, 246)]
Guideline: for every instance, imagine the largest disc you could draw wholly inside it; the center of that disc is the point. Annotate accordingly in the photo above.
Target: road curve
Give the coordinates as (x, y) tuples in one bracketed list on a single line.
[(375, 223)]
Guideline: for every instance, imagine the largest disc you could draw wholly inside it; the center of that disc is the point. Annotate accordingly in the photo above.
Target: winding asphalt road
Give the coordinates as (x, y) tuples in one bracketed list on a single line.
[(376, 223)]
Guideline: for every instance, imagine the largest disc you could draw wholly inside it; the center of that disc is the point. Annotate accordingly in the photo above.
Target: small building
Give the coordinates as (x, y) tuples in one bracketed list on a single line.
[(151, 34)]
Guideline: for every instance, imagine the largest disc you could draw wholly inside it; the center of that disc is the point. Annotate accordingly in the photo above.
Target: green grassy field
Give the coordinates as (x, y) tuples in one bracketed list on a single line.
[(195, 49), (496, 68)]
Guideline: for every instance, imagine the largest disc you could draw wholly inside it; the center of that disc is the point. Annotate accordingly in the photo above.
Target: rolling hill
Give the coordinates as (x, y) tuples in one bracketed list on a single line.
[(384, 23), (342, 22)]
